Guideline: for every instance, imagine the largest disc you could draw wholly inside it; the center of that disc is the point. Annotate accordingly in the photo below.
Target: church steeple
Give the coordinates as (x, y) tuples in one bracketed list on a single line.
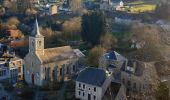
[(36, 31), (36, 40)]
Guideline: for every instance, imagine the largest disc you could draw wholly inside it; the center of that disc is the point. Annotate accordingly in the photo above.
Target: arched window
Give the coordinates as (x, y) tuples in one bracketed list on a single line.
[(33, 43), (53, 74), (39, 43)]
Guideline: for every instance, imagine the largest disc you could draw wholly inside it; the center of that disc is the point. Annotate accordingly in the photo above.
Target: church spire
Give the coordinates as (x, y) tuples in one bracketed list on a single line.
[(36, 31), (36, 40)]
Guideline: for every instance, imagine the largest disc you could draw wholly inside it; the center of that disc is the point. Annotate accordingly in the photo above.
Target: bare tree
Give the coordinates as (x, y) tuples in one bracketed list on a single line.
[(94, 55), (30, 11), (13, 21), (2, 10), (108, 41), (163, 11), (152, 46), (72, 25)]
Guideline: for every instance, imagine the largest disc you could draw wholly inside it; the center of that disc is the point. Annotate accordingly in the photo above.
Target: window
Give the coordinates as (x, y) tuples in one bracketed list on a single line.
[(4, 72), (134, 85), (128, 83), (83, 86), (61, 71), (94, 97), (39, 43), (89, 88), (32, 43), (79, 85), (74, 68), (1, 73), (79, 93), (53, 74), (32, 64), (67, 69), (94, 89), (83, 93)]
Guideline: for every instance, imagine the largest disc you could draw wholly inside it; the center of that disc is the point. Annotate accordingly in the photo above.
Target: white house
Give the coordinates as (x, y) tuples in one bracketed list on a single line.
[(4, 71), (11, 68), (92, 83)]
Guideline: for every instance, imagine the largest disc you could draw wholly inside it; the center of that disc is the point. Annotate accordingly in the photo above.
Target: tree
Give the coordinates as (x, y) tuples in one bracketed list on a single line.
[(163, 11), (162, 93), (94, 55), (11, 5), (108, 41), (30, 12), (147, 36), (7, 4), (53, 38), (93, 27), (72, 25), (13, 21), (2, 10)]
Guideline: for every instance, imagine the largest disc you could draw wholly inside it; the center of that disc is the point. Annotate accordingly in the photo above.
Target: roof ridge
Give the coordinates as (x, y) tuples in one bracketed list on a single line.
[(57, 47)]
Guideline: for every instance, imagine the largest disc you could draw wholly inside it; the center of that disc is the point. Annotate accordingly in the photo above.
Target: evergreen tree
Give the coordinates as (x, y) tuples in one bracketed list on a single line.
[(93, 27)]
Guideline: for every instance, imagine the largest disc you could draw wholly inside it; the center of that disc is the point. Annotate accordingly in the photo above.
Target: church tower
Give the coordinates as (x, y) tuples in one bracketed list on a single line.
[(36, 40)]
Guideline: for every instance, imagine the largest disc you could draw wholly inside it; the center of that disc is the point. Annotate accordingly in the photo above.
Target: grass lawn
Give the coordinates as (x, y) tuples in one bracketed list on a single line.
[(136, 3), (121, 35), (141, 6)]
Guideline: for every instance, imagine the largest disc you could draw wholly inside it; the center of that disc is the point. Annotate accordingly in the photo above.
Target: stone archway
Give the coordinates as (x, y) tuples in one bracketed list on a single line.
[(33, 79)]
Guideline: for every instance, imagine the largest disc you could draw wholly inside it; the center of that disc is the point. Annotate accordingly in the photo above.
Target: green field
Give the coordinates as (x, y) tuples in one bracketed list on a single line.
[(141, 6)]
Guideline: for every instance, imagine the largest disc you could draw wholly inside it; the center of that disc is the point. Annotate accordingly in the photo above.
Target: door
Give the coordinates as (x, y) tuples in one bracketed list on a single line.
[(89, 97)]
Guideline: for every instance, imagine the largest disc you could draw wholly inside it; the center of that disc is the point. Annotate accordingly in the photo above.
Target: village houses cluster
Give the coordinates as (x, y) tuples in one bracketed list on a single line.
[(116, 74)]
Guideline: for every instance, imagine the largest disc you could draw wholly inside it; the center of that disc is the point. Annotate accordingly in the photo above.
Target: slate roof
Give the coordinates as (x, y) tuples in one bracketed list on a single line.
[(111, 56), (92, 76), (139, 67), (56, 54), (114, 56)]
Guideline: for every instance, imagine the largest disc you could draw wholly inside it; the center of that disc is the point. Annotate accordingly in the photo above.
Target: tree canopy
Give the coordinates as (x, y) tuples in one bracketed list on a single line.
[(94, 55), (93, 27), (108, 41), (163, 11), (162, 93)]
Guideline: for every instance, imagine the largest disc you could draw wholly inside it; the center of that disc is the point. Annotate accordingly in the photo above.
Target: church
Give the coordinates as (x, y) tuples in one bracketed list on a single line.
[(42, 65)]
